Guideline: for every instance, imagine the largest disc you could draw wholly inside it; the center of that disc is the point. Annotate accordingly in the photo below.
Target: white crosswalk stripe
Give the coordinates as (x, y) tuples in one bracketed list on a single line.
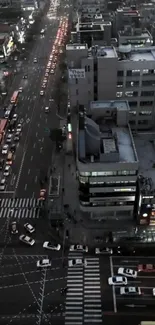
[(92, 292), (19, 208), (83, 298)]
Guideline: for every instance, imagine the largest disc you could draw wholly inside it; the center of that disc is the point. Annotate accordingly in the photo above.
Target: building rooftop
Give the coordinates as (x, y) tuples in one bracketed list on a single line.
[(106, 52), (104, 136), (134, 32), (143, 55), (146, 155)]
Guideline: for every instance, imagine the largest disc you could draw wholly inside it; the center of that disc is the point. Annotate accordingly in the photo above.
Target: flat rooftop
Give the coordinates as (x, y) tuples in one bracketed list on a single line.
[(106, 52), (146, 55), (120, 104), (134, 33), (146, 155), (101, 138)]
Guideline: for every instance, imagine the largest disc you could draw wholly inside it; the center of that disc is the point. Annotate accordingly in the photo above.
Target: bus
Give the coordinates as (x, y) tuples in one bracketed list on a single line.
[(3, 124), (14, 97)]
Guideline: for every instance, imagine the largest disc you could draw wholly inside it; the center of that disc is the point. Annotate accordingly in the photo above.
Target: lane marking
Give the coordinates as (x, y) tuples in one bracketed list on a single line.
[(113, 287), (25, 188)]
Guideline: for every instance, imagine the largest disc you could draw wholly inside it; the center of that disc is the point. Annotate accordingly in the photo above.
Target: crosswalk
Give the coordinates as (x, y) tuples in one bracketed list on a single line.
[(19, 208), (83, 298)]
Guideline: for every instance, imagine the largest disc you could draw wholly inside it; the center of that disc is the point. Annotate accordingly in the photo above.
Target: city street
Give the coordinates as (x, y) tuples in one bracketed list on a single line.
[(34, 143)]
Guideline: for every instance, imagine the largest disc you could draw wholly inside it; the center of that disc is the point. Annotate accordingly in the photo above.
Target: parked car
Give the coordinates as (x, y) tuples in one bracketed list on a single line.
[(130, 291), (127, 272), (7, 171), (44, 263), (117, 280), (5, 149), (2, 184)]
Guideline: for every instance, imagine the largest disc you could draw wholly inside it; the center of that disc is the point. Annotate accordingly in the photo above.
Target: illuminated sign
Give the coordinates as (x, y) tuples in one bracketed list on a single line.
[(76, 73)]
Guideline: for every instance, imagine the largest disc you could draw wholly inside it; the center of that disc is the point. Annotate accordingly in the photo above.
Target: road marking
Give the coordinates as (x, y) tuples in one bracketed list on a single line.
[(113, 287), (25, 187), (36, 134), (28, 120), (42, 293), (20, 170), (28, 171), (38, 125), (13, 178), (31, 158), (29, 283)]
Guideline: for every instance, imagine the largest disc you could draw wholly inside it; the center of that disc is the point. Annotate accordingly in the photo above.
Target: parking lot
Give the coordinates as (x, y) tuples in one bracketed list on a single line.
[(28, 293), (114, 302)]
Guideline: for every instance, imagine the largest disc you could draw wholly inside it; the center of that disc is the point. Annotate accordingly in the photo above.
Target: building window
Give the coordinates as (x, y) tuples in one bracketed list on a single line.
[(148, 83), (129, 73), (88, 68), (147, 93), (131, 93), (132, 113), (145, 71), (145, 113), (133, 104), (135, 72), (143, 122), (119, 94), (130, 84), (120, 73), (77, 92), (76, 81), (146, 103), (120, 84)]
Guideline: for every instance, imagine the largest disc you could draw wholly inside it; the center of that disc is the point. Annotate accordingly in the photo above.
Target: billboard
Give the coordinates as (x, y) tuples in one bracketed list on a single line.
[(76, 73)]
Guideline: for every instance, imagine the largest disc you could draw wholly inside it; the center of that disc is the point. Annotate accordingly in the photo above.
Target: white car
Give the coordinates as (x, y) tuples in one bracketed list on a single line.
[(41, 92), (27, 240), (9, 138), (19, 128), (52, 71), (29, 227), (35, 60), (7, 114), (44, 263), (47, 109), (127, 272), (78, 248), (130, 291), (117, 280), (5, 149), (77, 262), (15, 116), (2, 184), (20, 89), (49, 245), (104, 251), (153, 291), (7, 171)]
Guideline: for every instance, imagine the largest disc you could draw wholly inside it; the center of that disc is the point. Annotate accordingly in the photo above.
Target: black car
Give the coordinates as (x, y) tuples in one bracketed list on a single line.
[(1, 164), (13, 147)]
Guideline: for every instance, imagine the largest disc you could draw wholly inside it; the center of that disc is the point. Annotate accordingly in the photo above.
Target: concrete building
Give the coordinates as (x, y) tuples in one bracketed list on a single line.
[(92, 33), (135, 36), (126, 16), (90, 7), (107, 161), (104, 73)]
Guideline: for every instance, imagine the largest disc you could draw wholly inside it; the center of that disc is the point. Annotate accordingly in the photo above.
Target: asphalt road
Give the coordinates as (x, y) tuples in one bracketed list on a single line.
[(34, 144), (116, 305), (27, 294)]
